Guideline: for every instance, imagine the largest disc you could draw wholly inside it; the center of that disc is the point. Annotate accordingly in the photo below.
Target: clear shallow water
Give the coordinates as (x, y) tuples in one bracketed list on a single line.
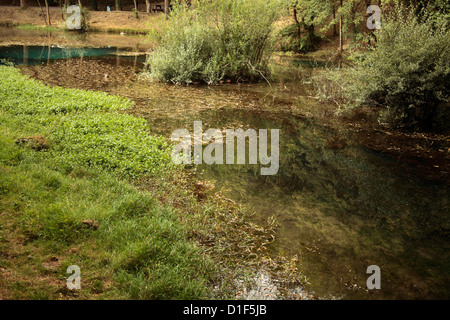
[(340, 206)]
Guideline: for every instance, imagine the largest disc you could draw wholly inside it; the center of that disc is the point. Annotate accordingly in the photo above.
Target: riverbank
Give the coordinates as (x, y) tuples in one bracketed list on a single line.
[(100, 21), (84, 184), (10, 36)]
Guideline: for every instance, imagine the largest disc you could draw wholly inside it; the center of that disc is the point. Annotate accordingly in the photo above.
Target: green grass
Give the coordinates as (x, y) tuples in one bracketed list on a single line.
[(83, 126), (141, 249), (35, 27)]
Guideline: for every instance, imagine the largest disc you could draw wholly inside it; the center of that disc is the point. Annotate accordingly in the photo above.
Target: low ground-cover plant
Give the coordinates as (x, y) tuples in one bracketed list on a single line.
[(406, 73), (211, 41), (68, 203), (139, 251), (84, 126)]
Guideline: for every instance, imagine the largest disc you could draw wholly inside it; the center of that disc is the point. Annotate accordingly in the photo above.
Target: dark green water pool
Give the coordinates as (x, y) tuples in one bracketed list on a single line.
[(34, 55)]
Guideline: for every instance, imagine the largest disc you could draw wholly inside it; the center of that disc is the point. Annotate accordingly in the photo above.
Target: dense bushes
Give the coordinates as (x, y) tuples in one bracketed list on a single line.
[(407, 73), (224, 39)]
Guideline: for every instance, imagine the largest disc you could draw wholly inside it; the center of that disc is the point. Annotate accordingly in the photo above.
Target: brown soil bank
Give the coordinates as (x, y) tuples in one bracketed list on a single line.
[(16, 36), (99, 20)]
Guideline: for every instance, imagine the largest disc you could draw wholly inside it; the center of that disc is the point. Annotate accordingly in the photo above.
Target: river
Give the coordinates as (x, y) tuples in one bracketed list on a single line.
[(340, 206)]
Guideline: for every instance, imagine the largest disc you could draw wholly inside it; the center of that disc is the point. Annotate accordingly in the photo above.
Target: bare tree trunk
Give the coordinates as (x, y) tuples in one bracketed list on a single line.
[(118, 5), (43, 14), (341, 36), (147, 6), (23, 4), (166, 6), (297, 23), (334, 24), (48, 13), (135, 5)]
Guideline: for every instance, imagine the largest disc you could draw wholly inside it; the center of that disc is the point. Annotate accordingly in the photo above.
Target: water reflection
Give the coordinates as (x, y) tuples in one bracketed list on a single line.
[(340, 206)]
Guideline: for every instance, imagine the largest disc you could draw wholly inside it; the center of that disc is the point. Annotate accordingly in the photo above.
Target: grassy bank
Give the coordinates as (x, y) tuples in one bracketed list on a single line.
[(84, 184), (133, 31), (72, 202)]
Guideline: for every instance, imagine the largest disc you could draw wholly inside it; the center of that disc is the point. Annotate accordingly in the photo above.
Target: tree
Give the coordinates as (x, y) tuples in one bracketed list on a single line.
[(307, 16), (118, 5), (48, 13), (407, 81), (166, 6), (341, 35), (43, 14), (23, 4), (135, 7)]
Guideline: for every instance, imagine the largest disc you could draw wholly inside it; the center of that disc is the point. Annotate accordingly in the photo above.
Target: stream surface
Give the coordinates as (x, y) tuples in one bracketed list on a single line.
[(340, 206)]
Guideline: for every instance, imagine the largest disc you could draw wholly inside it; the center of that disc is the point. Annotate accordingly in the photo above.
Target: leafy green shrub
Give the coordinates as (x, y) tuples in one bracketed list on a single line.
[(216, 40), (407, 73), (185, 57)]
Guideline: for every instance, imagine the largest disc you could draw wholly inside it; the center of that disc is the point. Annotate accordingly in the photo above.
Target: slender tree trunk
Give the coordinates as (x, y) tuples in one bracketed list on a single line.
[(147, 6), (118, 5), (341, 36), (334, 18), (43, 14), (48, 13), (135, 5), (371, 32), (166, 6), (23, 4), (297, 22)]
